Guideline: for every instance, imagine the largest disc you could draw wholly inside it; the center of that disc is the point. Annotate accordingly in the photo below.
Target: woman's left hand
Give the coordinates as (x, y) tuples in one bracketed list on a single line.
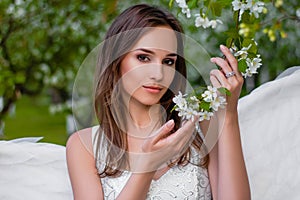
[(228, 76)]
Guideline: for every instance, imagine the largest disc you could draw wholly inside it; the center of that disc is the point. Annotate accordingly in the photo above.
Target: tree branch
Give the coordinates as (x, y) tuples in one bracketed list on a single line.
[(4, 46)]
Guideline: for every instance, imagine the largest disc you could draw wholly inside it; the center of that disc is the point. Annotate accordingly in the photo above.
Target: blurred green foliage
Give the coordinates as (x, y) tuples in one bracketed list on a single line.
[(42, 44), (32, 119)]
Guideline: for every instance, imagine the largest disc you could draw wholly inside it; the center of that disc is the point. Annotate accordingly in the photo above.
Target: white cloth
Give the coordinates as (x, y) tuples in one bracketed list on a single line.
[(35, 171), (270, 130), (186, 182)]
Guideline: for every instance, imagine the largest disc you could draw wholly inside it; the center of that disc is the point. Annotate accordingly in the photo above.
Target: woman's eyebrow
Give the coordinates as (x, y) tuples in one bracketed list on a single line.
[(152, 52)]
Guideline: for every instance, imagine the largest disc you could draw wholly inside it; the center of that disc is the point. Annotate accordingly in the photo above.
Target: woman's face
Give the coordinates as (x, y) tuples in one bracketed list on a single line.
[(148, 69)]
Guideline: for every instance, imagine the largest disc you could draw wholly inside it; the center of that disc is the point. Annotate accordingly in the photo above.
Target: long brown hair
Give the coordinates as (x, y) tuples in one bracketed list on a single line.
[(107, 74)]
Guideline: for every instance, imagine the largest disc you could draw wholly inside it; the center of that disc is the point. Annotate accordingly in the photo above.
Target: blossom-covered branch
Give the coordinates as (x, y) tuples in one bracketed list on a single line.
[(207, 15), (240, 40), (201, 103)]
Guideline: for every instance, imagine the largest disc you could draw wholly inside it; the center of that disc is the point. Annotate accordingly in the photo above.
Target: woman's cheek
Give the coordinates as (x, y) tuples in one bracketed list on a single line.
[(132, 79), (169, 74)]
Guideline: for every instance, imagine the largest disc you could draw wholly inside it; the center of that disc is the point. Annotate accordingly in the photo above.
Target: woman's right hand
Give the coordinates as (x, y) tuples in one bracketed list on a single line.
[(162, 147)]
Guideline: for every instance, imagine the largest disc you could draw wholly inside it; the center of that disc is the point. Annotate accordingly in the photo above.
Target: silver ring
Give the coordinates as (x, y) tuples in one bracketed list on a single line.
[(230, 74)]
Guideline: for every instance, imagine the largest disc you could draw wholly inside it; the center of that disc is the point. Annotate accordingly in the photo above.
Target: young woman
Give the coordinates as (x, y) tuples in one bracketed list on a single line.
[(135, 153)]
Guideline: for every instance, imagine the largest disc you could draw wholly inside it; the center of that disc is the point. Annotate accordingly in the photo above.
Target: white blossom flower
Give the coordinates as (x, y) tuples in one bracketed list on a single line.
[(243, 53), (202, 21), (205, 115), (19, 2), (188, 107), (186, 11), (194, 103), (58, 108), (180, 101), (247, 73), (238, 5), (255, 7), (181, 3), (184, 8), (181, 112), (298, 12), (253, 64), (11, 9), (210, 94), (214, 23), (256, 62), (233, 48), (219, 102), (16, 11), (193, 98), (44, 68), (190, 114)]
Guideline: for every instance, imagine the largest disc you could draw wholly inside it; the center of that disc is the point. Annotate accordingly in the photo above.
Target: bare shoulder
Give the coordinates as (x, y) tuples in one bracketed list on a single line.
[(82, 167), (79, 149), (81, 141)]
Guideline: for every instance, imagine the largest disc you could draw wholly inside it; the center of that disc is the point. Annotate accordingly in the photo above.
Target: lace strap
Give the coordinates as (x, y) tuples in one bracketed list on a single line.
[(99, 148)]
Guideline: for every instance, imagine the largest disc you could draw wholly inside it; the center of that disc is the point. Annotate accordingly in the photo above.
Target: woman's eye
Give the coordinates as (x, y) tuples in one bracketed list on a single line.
[(169, 62), (143, 58)]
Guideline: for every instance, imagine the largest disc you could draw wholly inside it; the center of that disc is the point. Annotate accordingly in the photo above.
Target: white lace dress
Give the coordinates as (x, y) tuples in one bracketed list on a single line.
[(183, 183)]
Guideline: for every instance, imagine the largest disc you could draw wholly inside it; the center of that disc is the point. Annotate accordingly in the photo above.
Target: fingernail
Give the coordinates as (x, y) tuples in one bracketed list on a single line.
[(170, 123), (222, 46), (212, 60)]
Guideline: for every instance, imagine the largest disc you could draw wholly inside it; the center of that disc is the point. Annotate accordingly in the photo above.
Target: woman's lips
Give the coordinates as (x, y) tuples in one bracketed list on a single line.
[(152, 89)]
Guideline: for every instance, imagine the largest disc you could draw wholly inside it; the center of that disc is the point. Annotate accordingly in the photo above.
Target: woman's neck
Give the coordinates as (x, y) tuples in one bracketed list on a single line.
[(143, 118)]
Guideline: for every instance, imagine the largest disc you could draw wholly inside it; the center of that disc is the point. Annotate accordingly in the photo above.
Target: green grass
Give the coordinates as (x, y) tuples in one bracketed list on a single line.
[(32, 119)]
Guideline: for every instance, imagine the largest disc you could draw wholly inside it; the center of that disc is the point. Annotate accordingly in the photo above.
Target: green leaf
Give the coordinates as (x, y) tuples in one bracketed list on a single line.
[(20, 78), (238, 42), (173, 108), (253, 48), (224, 91), (235, 16), (246, 17), (206, 3), (216, 8), (171, 3), (205, 105), (192, 4), (247, 42), (229, 42), (252, 18), (225, 3), (233, 33), (251, 55), (242, 65)]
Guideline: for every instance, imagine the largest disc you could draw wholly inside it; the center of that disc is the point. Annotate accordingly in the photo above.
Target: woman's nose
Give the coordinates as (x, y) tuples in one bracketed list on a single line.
[(156, 71)]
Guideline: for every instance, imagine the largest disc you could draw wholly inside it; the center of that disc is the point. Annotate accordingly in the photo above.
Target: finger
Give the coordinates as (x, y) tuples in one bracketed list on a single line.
[(163, 131), (158, 137), (181, 135), (214, 81), (220, 78), (185, 131), (231, 59), (223, 64)]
